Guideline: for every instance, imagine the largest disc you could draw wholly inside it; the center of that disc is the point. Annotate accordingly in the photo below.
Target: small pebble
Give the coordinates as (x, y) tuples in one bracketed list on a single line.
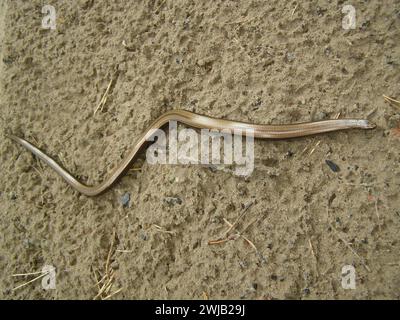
[(143, 235), (320, 116), (327, 50), (290, 56), (186, 24), (28, 243), (8, 60), (365, 25), (289, 154), (114, 265), (125, 199), (331, 198), (256, 103), (7, 292), (394, 121), (173, 200), (334, 167), (320, 11)]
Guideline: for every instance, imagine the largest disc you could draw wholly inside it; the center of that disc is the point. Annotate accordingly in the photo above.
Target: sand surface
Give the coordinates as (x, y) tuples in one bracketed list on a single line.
[(255, 61)]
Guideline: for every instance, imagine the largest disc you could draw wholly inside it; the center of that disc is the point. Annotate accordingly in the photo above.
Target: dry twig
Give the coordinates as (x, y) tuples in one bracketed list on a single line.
[(391, 101)]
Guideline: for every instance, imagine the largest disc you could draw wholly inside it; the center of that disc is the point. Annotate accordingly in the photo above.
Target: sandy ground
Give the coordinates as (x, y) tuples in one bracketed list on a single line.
[(256, 61)]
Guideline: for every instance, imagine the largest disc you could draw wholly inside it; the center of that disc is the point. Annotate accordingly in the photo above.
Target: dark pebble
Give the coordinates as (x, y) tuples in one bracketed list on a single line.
[(8, 61), (125, 199), (334, 167), (289, 154), (143, 235), (173, 200), (331, 198)]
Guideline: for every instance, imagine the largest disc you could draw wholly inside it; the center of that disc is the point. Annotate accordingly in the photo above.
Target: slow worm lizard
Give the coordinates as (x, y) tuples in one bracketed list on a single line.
[(197, 121)]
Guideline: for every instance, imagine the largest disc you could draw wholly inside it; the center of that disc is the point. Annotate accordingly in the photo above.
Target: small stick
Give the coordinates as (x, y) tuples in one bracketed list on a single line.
[(219, 241), (369, 114), (96, 279), (312, 249), (238, 219), (351, 249), (25, 274), (313, 149), (112, 294), (240, 235), (159, 6), (161, 229), (377, 213), (392, 101), (35, 140), (108, 288), (314, 255), (359, 184), (26, 283), (38, 171), (305, 149), (99, 281), (104, 287), (294, 10), (109, 252), (241, 21), (104, 98), (250, 224), (124, 251)]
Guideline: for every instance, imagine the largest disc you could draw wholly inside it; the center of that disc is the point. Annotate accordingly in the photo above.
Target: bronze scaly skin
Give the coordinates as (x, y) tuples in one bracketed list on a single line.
[(198, 121)]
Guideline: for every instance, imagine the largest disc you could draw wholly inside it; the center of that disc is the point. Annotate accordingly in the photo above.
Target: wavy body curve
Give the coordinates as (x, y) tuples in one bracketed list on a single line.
[(197, 121)]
